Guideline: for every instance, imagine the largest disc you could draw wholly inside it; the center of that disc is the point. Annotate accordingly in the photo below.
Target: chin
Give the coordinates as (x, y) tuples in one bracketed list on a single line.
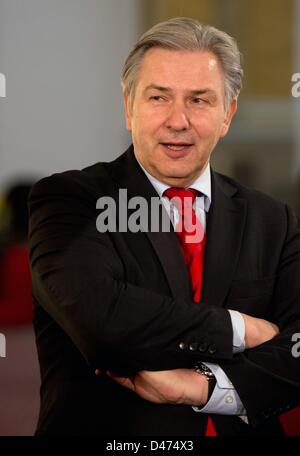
[(177, 171)]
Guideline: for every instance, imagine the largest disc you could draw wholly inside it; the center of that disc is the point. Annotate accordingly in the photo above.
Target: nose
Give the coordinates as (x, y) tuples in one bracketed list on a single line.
[(177, 119)]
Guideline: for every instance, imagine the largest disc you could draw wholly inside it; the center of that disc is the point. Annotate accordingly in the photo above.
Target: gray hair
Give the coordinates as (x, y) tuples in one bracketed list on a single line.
[(183, 33)]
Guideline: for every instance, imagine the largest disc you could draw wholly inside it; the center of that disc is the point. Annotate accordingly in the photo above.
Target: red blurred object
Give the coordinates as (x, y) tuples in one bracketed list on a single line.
[(15, 286), (210, 429), (290, 422)]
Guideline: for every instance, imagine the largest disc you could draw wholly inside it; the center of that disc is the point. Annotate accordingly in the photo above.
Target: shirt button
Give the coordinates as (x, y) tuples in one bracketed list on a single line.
[(182, 346), (229, 399)]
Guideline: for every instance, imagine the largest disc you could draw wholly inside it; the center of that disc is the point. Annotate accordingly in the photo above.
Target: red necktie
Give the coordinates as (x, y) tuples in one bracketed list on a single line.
[(190, 234), (191, 237)]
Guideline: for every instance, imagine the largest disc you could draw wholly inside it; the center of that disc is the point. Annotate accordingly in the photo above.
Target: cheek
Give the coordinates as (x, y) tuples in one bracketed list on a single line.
[(150, 118), (209, 127)]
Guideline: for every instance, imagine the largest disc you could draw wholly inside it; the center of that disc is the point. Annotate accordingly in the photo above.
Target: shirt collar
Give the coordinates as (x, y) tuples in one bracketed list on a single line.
[(202, 184)]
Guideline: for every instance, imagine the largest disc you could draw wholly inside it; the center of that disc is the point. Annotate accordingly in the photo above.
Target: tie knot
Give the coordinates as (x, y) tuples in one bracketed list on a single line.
[(182, 197)]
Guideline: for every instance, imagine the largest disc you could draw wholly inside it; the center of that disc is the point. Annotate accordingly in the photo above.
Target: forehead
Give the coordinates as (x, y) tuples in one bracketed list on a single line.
[(179, 68)]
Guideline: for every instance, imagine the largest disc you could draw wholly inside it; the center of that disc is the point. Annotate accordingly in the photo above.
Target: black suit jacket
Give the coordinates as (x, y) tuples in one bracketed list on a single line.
[(122, 301)]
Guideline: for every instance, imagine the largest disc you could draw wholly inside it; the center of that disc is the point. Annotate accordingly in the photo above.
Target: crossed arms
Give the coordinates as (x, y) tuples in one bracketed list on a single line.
[(134, 333)]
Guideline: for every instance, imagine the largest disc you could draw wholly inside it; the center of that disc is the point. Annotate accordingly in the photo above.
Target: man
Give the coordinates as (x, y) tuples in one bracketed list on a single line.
[(141, 308)]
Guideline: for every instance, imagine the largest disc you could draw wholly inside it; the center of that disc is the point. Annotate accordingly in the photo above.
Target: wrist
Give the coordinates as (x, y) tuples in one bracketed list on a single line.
[(198, 390)]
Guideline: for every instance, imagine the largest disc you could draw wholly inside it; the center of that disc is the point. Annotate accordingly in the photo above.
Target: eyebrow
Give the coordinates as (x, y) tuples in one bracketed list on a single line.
[(168, 89)]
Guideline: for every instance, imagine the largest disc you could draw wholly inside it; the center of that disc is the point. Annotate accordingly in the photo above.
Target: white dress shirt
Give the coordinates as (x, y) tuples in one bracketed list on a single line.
[(224, 399)]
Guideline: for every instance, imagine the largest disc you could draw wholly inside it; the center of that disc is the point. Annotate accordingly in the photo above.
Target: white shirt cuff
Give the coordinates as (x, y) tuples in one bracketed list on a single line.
[(238, 327), (224, 399)]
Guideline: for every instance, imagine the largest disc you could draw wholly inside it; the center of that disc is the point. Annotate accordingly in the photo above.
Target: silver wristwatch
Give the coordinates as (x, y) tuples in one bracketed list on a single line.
[(202, 369)]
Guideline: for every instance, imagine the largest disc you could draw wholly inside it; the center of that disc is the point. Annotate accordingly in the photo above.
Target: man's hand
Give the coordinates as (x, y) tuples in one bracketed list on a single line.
[(177, 386), (258, 331)]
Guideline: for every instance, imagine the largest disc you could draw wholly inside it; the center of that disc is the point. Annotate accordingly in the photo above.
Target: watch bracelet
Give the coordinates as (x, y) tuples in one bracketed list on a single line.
[(202, 369)]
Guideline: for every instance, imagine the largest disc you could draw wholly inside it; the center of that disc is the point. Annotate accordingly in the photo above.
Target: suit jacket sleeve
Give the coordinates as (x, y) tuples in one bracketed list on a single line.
[(267, 378), (78, 278)]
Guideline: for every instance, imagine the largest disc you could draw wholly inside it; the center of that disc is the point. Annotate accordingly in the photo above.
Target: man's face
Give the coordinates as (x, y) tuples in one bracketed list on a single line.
[(177, 115)]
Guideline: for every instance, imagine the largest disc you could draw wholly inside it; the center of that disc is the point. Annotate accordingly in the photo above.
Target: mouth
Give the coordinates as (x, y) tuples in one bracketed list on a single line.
[(176, 146)]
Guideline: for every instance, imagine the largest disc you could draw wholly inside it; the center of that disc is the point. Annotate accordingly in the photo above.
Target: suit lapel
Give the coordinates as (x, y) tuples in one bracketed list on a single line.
[(225, 226), (126, 173)]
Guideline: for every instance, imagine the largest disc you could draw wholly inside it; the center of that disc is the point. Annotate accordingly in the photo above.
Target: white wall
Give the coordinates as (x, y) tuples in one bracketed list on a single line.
[(62, 60)]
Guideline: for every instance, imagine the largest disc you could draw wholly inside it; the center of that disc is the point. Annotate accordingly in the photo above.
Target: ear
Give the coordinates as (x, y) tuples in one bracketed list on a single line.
[(231, 110), (127, 107)]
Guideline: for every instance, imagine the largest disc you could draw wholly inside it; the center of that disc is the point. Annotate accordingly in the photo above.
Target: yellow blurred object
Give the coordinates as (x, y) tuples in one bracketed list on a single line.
[(4, 215)]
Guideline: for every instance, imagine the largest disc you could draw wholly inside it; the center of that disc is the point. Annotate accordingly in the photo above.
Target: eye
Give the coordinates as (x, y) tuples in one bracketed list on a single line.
[(157, 98), (198, 100)]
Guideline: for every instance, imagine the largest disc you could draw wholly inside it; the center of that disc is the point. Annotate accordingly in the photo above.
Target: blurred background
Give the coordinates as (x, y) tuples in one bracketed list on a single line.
[(62, 61)]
